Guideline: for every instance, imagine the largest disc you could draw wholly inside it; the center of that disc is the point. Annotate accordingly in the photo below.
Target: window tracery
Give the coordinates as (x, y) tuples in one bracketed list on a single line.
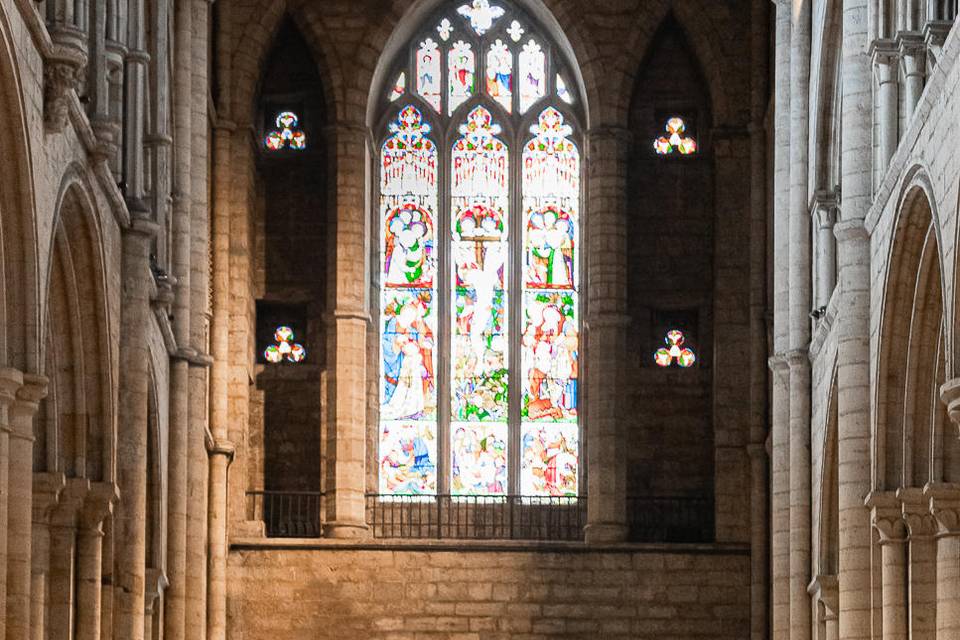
[(479, 302)]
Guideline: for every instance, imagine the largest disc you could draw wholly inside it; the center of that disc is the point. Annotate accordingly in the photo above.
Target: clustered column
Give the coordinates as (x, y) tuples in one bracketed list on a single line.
[(887, 519), (10, 382), (922, 564), (944, 501)]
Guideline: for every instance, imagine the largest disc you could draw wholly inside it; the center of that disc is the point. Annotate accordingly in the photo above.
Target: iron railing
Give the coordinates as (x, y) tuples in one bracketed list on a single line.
[(448, 517), (287, 514), (671, 520)]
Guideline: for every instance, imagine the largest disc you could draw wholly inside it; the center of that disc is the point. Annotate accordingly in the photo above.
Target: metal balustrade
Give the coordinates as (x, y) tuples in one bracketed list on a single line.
[(670, 519), (287, 514), (448, 517)]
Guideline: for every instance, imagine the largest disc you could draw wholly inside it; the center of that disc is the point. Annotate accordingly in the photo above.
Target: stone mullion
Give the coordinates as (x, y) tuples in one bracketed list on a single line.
[(853, 329), (921, 564), (346, 348), (606, 327), (10, 382), (130, 523), (887, 519), (20, 507)]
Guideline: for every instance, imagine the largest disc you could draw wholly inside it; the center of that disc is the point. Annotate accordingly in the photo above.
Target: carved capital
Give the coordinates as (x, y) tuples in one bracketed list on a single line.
[(61, 77), (97, 505), (25, 407), (67, 511), (47, 488), (916, 514), (950, 397), (824, 209), (945, 506), (886, 515)]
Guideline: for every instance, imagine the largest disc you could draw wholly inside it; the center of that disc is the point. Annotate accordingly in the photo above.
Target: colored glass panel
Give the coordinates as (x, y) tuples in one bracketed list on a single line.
[(284, 349), (287, 135), (408, 309), (675, 352), (428, 73), (481, 15), (550, 457), (515, 31), (550, 343), (562, 92), (500, 74), (480, 250), (676, 139), (399, 87), (533, 75), (479, 458), (461, 64), (445, 29), (408, 458)]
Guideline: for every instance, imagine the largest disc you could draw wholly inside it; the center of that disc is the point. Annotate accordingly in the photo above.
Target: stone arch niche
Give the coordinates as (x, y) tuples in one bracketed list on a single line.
[(290, 234), (912, 360), (74, 433), (670, 280)]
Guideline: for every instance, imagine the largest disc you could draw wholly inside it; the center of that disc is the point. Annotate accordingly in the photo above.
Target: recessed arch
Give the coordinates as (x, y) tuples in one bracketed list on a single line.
[(912, 337), (19, 275)]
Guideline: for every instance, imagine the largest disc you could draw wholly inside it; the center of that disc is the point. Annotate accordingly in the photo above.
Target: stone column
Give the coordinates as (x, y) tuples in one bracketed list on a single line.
[(156, 584), (780, 401), (64, 522), (921, 564), (886, 70), (913, 58), (824, 219), (97, 506), (20, 508), (130, 521), (853, 328), (825, 599), (346, 346), (887, 519), (46, 497), (945, 507), (606, 327), (10, 382)]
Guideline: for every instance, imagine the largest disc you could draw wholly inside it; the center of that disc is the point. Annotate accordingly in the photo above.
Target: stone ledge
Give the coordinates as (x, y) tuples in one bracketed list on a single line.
[(461, 546)]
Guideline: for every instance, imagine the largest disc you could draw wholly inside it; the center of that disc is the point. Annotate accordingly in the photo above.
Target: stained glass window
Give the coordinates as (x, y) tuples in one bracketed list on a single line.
[(461, 72), (284, 349), (533, 75), (480, 356), (408, 307), (675, 352), (676, 139), (287, 135)]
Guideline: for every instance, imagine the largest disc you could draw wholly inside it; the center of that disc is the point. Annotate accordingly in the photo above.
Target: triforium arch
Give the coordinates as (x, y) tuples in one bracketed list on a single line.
[(19, 285), (478, 140), (912, 348), (75, 427)]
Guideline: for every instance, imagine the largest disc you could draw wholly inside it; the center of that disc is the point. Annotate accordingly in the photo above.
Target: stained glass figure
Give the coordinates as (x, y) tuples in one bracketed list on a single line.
[(515, 31), (676, 139), (532, 72), (481, 15), (428, 73), (480, 247), (479, 459), (445, 29), (550, 343), (462, 62), (562, 91), (287, 135), (676, 352), (285, 348), (408, 458), (500, 74), (408, 322), (399, 87), (550, 459)]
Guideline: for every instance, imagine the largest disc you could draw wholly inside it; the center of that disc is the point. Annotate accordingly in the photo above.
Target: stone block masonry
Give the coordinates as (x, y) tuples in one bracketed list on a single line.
[(462, 593)]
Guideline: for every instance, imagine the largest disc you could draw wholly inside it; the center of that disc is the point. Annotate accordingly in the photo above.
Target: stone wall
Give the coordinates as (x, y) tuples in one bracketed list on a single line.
[(456, 593)]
